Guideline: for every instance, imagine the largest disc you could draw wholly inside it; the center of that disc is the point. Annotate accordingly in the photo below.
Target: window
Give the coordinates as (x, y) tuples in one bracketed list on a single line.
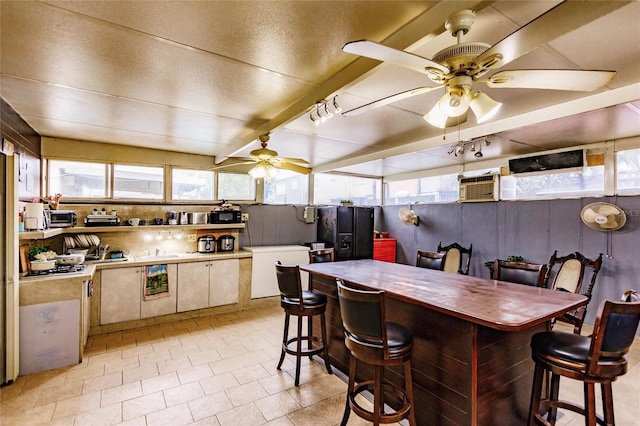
[(192, 185), (75, 179), (628, 172), (556, 185), (332, 188), (287, 188), (434, 189), (138, 182), (236, 186)]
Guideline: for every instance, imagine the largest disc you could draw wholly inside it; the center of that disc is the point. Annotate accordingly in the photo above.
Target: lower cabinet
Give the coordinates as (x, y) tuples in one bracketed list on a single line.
[(205, 284), (122, 295), (384, 249)]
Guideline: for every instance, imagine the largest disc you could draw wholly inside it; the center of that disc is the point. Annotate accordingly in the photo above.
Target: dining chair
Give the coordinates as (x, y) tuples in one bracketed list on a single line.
[(431, 260), (519, 272), (301, 303), (373, 340), (321, 255), (458, 258), (569, 276), (599, 358)]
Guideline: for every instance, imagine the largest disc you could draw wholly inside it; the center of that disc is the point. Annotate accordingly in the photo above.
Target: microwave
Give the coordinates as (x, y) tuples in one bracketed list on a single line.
[(62, 218), (225, 216)]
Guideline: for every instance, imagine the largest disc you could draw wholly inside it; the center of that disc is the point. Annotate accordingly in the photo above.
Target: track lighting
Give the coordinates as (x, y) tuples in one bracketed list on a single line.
[(459, 148), (322, 110)]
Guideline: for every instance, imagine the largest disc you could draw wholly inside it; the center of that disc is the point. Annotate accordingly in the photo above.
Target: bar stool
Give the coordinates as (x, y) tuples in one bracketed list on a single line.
[(599, 358), (373, 340), (301, 303)]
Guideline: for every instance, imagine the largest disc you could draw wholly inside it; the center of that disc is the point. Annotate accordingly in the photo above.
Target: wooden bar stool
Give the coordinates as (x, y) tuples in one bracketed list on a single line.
[(373, 340), (599, 358), (301, 303)]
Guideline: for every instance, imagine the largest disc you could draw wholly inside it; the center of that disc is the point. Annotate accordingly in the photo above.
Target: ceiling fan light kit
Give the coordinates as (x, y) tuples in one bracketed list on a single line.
[(458, 66)]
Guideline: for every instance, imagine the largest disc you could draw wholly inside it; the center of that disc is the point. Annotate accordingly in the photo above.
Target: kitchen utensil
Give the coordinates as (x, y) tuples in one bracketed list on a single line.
[(69, 259), (158, 221), (206, 244), (43, 265), (226, 242), (134, 221)]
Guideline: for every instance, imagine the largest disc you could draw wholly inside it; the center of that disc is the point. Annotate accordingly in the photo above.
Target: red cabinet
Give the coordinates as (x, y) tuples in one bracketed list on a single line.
[(384, 249)]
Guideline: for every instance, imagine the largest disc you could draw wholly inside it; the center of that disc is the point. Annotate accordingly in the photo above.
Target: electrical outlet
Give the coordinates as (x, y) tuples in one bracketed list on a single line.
[(191, 238), (245, 217)]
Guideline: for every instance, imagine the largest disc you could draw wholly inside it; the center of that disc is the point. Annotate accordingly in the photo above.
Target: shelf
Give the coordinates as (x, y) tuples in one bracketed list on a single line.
[(48, 233)]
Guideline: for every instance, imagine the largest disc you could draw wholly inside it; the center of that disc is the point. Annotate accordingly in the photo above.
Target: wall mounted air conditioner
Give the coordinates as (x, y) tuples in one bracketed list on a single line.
[(479, 188), (559, 162)]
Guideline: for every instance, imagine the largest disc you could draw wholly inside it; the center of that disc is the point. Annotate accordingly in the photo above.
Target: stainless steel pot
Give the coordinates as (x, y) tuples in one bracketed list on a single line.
[(226, 242), (207, 244)]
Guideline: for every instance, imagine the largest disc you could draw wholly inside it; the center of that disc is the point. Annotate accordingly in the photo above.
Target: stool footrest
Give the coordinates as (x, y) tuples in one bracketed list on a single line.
[(393, 417), (304, 352)]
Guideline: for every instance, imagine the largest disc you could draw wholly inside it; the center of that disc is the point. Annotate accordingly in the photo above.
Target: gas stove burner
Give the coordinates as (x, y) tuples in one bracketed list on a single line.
[(64, 269), (37, 273)]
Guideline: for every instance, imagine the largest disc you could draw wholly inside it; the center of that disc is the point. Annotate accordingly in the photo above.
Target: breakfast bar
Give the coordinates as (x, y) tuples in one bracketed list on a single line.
[(471, 357)]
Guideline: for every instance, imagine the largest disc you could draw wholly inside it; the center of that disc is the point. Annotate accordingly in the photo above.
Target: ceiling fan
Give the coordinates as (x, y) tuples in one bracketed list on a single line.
[(264, 162), (457, 67)]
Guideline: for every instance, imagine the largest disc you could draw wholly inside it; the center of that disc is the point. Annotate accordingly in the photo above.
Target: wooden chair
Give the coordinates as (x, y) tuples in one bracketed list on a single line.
[(431, 260), (455, 254), (301, 303), (519, 272), (373, 340), (599, 358), (321, 255), (569, 277)]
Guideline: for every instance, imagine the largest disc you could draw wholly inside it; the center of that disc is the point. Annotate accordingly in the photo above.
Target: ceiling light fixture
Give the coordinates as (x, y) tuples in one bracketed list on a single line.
[(263, 170), (459, 148), (322, 109)]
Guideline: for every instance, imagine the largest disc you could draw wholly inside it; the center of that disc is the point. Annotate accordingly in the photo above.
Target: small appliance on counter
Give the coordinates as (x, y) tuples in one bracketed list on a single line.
[(206, 244), (62, 218), (197, 218), (34, 217), (183, 218), (225, 216), (226, 242), (101, 220)]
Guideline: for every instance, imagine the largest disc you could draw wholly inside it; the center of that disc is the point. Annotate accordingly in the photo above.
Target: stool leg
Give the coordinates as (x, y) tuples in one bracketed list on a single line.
[(350, 387), (408, 388), (378, 394), (589, 404), (607, 403), (310, 334), (553, 396), (325, 343), (534, 406), (298, 351), (284, 339)]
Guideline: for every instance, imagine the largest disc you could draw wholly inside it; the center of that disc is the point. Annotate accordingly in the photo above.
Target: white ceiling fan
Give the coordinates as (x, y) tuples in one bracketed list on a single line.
[(264, 162), (457, 67)]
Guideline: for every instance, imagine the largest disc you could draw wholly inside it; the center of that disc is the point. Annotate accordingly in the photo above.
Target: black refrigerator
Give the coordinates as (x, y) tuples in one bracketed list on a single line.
[(349, 230)]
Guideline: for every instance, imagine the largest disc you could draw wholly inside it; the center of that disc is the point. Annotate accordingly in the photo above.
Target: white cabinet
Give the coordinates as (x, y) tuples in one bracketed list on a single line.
[(122, 298), (205, 284), (263, 271), (120, 291)]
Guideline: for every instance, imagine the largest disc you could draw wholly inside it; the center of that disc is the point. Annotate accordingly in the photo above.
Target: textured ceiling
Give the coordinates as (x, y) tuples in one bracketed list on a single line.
[(208, 77)]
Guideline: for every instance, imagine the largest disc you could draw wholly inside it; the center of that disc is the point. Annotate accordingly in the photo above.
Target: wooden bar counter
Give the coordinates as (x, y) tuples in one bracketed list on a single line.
[(471, 357)]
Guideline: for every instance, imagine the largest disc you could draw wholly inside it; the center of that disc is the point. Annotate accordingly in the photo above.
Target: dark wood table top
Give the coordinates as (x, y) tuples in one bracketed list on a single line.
[(497, 304)]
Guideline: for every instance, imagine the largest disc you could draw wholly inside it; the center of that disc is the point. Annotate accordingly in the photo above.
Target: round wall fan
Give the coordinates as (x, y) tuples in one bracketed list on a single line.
[(408, 216), (456, 67), (603, 216), (265, 160)]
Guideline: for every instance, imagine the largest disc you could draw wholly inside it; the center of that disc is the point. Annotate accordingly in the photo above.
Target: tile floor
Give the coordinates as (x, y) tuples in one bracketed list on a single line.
[(214, 370)]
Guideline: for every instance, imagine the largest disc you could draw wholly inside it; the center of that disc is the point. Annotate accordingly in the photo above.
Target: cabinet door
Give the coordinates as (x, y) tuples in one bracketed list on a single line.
[(120, 293), (224, 280), (193, 286), (165, 304)]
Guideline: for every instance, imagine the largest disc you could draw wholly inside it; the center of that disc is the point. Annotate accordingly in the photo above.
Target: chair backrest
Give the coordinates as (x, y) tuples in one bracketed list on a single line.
[(431, 260), (289, 282), (519, 272), (571, 272), (363, 316), (613, 333), (321, 255), (458, 258)]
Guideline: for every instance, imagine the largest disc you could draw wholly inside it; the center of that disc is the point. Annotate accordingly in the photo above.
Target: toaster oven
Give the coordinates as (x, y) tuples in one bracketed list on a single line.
[(62, 218)]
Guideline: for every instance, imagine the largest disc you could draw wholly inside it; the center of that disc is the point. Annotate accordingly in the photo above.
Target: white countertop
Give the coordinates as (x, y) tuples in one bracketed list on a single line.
[(269, 249)]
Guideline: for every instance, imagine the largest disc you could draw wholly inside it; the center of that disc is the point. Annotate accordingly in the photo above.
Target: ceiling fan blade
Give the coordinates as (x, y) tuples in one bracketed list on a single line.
[(293, 167), (233, 162), (578, 80), (298, 161), (390, 99), (380, 52), (560, 20)]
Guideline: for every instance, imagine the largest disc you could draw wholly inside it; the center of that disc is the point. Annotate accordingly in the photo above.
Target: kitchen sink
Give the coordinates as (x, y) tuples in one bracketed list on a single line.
[(159, 257)]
